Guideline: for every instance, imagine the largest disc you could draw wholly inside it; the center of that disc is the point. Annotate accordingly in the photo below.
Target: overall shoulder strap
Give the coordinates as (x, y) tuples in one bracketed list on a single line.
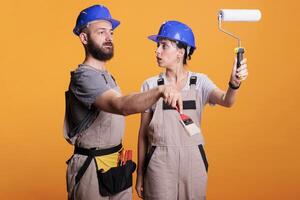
[(193, 81), (160, 80)]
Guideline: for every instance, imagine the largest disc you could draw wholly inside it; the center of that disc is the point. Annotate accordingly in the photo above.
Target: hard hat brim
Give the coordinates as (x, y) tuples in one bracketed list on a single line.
[(114, 23), (154, 38)]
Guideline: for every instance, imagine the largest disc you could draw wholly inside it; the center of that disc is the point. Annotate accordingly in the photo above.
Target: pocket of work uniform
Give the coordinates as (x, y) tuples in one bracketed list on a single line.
[(148, 158), (116, 179), (202, 152)]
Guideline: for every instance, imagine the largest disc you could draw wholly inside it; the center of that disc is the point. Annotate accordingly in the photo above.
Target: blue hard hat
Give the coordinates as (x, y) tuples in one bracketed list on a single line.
[(175, 30), (96, 12)]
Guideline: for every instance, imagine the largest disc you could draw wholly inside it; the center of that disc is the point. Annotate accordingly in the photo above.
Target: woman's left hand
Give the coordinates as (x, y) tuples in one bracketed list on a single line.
[(240, 74)]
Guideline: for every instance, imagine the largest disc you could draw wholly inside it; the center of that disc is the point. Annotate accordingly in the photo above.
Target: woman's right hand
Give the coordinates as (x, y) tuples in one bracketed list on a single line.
[(139, 186)]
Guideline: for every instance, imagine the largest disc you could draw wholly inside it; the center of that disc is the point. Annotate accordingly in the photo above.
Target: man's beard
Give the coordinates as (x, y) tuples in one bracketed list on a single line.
[(100, 53)]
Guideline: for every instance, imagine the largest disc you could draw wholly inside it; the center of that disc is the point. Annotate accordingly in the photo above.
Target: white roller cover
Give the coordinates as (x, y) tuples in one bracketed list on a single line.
[(242, 15)]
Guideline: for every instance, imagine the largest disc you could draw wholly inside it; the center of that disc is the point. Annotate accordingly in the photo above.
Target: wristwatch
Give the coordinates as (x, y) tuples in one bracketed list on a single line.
[(232, 86)]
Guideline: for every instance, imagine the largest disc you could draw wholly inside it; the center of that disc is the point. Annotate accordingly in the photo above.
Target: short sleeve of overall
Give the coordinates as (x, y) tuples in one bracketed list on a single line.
[(87, 84)]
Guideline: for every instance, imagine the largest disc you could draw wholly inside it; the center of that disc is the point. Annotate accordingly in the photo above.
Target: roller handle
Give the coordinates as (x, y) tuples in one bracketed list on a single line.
[(239, 56)]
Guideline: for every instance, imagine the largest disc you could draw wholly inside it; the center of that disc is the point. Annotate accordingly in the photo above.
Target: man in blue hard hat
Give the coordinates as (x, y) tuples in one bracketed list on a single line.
[(95, 110)]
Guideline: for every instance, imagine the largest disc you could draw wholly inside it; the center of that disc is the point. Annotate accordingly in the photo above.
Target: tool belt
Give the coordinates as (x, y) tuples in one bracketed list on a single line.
[(112, 181)]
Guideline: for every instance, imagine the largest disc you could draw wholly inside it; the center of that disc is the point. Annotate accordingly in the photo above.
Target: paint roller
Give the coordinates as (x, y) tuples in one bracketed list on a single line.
[(238, 15)]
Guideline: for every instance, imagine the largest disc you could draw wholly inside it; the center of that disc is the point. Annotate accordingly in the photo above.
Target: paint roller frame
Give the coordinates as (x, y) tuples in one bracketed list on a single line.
[(238, 15)]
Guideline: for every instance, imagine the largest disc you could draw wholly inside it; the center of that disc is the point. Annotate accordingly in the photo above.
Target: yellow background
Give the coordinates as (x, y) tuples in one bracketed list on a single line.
[(253, 148)]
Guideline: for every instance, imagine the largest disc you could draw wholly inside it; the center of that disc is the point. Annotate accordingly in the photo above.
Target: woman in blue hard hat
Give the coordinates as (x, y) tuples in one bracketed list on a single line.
[(171, 161)]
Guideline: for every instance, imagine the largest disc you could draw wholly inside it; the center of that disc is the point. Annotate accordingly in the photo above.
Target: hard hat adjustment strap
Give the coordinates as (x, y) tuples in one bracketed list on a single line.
[(188, 48)]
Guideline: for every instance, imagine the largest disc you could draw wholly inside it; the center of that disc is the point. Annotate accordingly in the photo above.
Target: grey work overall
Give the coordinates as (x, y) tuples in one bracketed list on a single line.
[(175, 166), (104, 133)]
